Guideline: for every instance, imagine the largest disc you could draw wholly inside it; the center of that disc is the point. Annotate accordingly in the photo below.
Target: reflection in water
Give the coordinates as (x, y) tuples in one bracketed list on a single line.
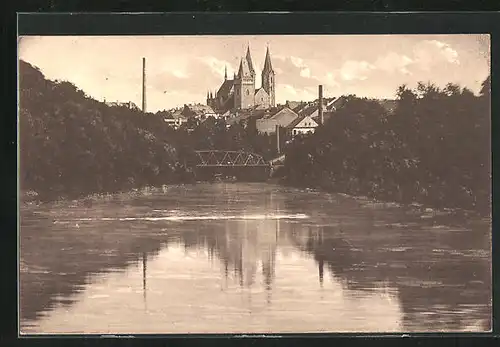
[(144, 265), (250, 258)]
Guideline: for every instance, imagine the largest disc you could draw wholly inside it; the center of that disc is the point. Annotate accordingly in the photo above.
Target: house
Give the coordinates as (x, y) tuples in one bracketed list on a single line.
[(245, 116), (294, 105), (302, 125), (198, 111), (175, 119), (330, 105), (282, 117), (129, 105)]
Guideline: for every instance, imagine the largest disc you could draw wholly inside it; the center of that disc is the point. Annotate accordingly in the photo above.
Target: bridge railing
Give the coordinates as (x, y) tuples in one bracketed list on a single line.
[(219, 158)]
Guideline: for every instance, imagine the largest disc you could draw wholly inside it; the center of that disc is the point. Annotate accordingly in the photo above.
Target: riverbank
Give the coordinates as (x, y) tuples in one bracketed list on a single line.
[(420, 203)]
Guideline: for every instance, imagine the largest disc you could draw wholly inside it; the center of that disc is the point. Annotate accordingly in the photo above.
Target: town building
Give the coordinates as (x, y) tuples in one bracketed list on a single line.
[(302, 126), (199, 112), (175, 119), (240, 93), (281, 117)]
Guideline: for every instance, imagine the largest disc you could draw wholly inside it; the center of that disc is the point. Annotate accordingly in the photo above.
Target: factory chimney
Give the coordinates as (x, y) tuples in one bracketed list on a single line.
[(143, 85), (320, 104), (278, 139)]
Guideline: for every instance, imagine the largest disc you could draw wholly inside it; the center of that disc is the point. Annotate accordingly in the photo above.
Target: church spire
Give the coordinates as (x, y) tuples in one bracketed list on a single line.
[(225, 73), (268, 67), (244, 69), (249, 60)]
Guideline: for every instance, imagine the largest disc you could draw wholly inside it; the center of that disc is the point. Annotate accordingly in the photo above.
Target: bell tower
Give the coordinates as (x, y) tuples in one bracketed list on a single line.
[(244, 84), (268, 81)]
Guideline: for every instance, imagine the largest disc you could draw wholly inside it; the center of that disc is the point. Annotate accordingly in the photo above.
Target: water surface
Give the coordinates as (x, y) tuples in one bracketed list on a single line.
[(250, 258)]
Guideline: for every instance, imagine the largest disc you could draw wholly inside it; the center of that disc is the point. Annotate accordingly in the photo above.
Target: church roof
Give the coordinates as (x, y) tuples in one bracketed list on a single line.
[(267, 63), (249, 61), (225, 88), (244, 69), (261, 89), (228, 104)]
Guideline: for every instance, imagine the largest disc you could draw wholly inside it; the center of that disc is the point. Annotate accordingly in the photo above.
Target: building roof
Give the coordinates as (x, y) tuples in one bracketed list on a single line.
[(277, 113), (267, 63), (244, 69), (249, 61), (326, 116), (308, 110), (199, 109), (246, 114), (295, 122), (225, 88), (294, 104)]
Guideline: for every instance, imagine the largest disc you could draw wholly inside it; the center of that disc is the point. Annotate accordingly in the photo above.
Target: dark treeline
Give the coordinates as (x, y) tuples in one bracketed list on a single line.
[(72, 145), (433, 149)]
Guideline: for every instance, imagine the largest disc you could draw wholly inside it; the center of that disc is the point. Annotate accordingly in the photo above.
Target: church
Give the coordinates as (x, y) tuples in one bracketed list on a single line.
[(239, 93)]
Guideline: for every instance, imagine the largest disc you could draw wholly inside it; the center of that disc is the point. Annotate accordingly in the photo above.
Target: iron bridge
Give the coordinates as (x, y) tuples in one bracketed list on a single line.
[(220, 158)]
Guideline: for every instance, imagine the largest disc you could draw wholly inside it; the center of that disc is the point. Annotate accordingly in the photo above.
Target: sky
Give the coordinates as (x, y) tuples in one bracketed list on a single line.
[(181, 69)]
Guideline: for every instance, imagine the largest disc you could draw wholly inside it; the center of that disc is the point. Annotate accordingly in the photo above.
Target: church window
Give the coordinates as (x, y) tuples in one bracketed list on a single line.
[(248, 92)]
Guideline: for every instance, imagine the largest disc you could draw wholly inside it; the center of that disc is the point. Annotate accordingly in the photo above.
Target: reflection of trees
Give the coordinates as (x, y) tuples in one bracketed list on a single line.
[(426, 281), (359, 247), (58, 262)]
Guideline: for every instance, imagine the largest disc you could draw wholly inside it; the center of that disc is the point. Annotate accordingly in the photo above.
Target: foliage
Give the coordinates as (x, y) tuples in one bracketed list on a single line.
[(71, 144), (434, 149)]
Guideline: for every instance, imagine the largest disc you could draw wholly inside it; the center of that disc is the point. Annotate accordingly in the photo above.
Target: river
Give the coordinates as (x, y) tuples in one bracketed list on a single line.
[(250, 258)]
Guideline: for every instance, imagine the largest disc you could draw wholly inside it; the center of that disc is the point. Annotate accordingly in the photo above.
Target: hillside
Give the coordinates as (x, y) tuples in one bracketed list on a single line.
[(73, 145)]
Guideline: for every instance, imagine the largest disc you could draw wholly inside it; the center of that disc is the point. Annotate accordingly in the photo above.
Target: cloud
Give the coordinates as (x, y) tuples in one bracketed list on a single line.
[(288, 92), (429, 53), (305, 73), (394, 62), (180, 74), (331, 79), (298, 62), (355, 70), (294, 72), (217, 66)]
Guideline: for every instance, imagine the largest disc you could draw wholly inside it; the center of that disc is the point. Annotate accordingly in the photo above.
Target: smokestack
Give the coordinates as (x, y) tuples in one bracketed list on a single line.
[(144, 85), (278, 138), (320, 104)]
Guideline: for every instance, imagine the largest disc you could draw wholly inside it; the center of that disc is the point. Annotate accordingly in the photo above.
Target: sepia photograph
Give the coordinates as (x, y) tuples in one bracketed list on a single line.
[(254, 184)]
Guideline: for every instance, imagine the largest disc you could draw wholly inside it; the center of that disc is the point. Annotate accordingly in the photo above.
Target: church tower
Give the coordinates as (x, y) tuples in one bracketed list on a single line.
[(268, 82), (244, 84)]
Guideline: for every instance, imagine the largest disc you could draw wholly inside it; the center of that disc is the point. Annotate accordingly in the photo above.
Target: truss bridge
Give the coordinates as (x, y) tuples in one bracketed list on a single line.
[(218, 158)]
